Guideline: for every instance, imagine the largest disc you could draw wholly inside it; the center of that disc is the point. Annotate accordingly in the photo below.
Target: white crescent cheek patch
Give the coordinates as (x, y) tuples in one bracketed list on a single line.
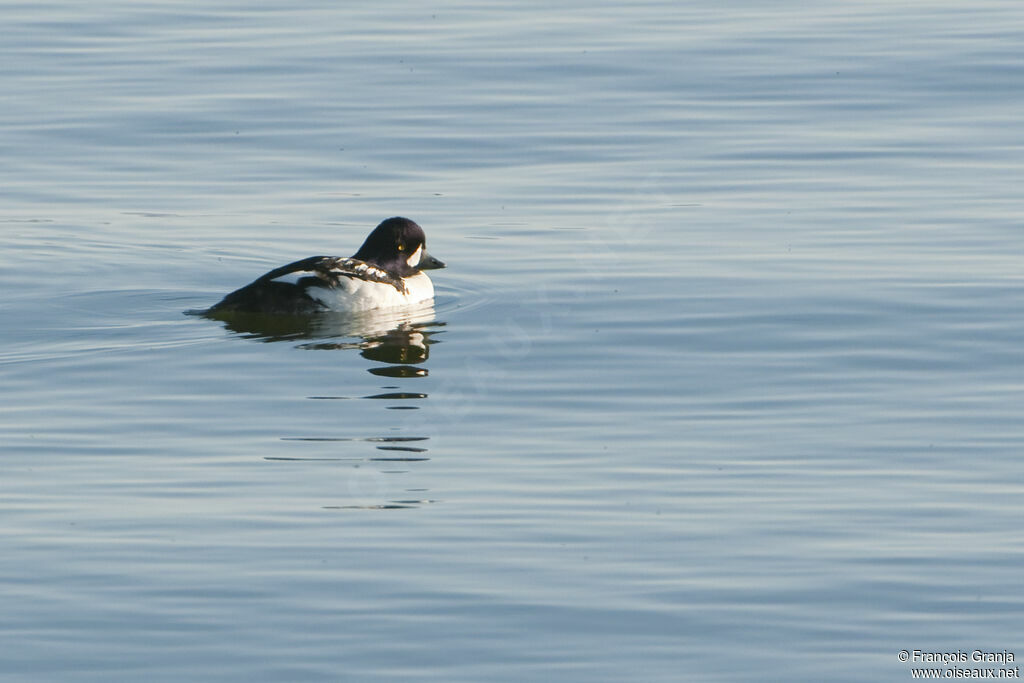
[(414, 257)]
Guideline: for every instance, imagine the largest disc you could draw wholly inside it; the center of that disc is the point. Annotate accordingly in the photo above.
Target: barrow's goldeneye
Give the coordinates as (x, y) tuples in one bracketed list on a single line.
[(386, 272)]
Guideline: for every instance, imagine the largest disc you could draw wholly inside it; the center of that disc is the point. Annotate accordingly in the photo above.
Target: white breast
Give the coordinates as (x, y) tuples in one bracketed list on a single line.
[(353, 294)]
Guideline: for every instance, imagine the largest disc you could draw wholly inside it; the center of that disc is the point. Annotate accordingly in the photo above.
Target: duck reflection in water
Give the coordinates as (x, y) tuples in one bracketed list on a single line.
[(397, 337)]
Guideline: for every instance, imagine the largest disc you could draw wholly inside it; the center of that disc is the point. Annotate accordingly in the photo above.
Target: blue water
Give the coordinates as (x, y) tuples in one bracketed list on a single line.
[(723, 380)]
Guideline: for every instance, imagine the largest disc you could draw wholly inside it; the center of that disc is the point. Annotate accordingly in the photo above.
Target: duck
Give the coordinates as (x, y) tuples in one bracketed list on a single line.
[(386, 273)]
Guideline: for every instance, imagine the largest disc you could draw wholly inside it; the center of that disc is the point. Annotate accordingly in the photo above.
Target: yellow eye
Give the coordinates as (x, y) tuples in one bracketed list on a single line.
[(401, 247)]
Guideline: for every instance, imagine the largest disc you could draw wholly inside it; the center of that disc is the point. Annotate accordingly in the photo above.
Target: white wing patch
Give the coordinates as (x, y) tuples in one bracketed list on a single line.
[(348, 284), (293, 278), (349, 268)]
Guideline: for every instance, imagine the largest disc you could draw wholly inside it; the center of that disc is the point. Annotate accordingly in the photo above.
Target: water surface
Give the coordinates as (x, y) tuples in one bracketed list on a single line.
[(723, 380)]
